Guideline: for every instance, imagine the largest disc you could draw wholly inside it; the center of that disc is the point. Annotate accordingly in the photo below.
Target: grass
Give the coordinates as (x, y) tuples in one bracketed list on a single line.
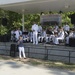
[(52, 64), (45, 63)]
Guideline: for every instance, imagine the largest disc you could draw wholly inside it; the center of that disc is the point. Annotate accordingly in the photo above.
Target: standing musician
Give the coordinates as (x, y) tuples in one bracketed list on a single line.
[(35, 29)]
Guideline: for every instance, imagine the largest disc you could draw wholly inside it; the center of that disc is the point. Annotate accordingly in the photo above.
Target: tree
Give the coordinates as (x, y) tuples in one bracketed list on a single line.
[(15, 20)]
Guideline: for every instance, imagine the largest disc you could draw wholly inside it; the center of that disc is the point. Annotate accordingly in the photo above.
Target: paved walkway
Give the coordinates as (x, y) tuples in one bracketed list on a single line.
[(10, 67)]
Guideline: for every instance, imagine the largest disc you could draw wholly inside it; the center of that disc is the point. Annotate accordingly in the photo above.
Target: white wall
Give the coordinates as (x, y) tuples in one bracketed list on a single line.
[(11, 1)]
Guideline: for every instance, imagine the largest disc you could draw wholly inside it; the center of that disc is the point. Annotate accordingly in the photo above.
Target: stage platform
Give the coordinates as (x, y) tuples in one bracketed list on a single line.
[(42, 51)]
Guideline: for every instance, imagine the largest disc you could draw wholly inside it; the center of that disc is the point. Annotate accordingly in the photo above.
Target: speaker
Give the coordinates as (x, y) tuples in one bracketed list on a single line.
[(4, 21), (73, 18), (13, 50), (72, 42)]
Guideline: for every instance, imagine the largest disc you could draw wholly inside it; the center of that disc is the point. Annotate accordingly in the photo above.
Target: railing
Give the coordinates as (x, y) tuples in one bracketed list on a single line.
[(47, 53)]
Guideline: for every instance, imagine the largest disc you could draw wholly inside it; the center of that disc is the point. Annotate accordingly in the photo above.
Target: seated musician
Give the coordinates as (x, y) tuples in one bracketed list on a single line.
[(42, 36), (25, 36), (59, 36), (71, 35), (49, 35)]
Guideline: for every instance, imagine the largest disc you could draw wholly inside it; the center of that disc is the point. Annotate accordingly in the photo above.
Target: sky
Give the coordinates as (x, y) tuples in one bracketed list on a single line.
[(11, 1)]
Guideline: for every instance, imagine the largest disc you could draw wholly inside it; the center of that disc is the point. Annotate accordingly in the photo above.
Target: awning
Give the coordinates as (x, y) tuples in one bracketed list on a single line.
[(38, 6)]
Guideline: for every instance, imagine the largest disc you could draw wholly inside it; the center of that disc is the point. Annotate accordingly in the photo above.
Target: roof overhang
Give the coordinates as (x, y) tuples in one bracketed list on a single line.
[(37, 6)]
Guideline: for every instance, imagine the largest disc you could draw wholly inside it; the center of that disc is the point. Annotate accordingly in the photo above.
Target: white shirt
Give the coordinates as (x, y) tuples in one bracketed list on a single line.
[(74, 34), (12, 32), (17, 34), (61, 34), (44, 33), (56, 27), (35, 28), (40, 29), (66, 27), (20, 32), (71, 34)]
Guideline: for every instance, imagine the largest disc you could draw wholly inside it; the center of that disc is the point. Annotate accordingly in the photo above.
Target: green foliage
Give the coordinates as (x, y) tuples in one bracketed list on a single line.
[(30, 18), (66, 18), (15, 20), (3, 30)]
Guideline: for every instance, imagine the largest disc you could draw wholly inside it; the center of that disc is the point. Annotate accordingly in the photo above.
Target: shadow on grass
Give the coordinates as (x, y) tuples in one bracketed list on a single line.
[(7, 60), (38, 62), (5, 57), (51, 64)]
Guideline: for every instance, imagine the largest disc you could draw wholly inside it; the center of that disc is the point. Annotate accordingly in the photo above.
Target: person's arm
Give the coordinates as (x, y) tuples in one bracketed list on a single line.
[(18, 42), (32, 29)]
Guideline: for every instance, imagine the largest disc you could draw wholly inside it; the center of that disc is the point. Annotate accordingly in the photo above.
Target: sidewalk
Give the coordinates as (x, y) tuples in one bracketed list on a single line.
[(10, 67)]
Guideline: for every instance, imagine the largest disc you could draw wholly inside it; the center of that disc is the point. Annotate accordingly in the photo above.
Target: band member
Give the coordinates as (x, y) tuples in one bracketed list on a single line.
[(49, 35), (59, 36), (18, 32), (35, 29), (42, 37), (66, 27), (13, 35), (71, 35), (25, 35)]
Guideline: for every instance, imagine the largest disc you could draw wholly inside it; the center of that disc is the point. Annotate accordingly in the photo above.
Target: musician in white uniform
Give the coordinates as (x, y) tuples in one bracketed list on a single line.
[(60, 36), (42, 37), (18, 32), (13, 35), (66, 27), (35, 29), (69, 36), (40, 29)]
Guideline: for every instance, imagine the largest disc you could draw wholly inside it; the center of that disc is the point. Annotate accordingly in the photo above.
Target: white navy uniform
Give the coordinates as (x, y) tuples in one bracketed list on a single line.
[(60, 36), (40, 29), (17, 35), (12, 35), (66, 27), (71, 35), (67, 38), (56, 28), (35, 29), (42, 37)]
